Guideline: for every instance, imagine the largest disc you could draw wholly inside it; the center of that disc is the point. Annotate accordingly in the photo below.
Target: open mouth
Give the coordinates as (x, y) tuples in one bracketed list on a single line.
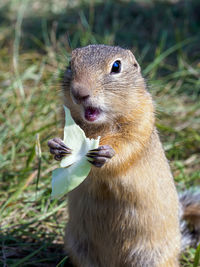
[(91, 114)]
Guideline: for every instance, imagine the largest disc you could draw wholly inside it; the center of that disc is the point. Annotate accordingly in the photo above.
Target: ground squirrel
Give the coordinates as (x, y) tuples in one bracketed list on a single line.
[(126, 212)]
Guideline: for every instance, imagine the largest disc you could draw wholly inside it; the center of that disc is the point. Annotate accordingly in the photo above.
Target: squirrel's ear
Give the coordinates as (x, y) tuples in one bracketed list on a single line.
[(134, 61)]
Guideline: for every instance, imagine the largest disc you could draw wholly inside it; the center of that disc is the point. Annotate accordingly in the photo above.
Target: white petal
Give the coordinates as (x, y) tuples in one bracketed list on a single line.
[(78, 167)]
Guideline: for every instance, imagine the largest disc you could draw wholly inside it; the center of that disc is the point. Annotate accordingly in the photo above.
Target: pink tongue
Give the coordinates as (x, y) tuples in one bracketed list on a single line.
[(91, 114)]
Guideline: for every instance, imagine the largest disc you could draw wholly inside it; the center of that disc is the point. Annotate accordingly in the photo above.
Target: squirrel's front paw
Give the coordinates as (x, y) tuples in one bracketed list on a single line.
[(100, 155), (58, 148)]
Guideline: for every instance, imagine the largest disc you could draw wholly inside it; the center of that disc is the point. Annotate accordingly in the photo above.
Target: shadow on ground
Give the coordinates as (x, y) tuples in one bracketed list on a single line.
[(23, 246)]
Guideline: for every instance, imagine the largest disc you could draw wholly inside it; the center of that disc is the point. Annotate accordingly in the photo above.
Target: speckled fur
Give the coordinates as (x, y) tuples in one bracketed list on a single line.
[(190, 218), (126, 213)]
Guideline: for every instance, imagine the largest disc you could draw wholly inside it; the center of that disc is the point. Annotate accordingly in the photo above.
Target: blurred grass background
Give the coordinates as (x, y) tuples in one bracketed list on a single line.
[(36, 38)]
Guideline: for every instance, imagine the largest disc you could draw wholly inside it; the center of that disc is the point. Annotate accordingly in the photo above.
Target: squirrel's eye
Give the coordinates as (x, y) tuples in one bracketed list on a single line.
[(116, 67)]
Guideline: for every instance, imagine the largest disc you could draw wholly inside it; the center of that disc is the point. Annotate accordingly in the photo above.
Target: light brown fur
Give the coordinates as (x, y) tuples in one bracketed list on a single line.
[(126, 212)]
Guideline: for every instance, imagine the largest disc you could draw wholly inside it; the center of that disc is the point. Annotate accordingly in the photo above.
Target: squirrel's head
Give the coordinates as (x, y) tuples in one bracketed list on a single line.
[(102, 84)]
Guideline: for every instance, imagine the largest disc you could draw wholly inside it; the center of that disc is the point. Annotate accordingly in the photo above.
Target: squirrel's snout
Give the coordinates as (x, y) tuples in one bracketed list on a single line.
[(79, 94)]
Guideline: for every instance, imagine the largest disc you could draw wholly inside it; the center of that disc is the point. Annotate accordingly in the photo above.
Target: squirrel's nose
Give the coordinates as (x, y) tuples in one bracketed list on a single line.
[(80, 94)]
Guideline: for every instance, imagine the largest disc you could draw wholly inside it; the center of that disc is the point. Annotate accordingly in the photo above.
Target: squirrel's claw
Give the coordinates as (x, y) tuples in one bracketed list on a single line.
[(102, 151), (58, 157), (100, 155), (96, 163), (58, 148)]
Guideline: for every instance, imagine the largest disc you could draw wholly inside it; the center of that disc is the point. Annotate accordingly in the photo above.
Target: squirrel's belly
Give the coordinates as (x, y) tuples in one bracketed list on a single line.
[(111, 233)]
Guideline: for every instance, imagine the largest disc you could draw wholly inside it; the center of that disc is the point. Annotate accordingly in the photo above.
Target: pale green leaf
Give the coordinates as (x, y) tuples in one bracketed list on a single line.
[(75, 167)]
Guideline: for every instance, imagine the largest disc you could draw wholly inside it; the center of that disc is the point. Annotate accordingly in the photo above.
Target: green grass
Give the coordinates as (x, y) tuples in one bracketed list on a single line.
[(35, 43)]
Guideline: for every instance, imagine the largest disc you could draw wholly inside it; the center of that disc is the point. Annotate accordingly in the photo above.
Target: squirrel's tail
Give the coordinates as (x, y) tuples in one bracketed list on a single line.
[(190, 218)]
